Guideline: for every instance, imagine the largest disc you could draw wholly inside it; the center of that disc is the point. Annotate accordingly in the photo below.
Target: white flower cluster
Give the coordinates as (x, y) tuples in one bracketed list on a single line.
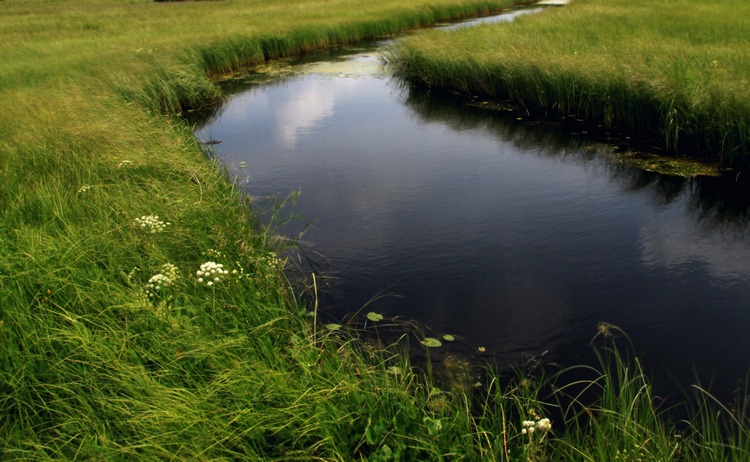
[(151, 223), (210, 273), (171, 271), (272, 261), (166, 278), (84, 188), (156, 283), (530, 426)]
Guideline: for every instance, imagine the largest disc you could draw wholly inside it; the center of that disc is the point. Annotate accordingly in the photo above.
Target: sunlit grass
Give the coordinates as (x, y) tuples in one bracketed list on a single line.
[(675, 68)]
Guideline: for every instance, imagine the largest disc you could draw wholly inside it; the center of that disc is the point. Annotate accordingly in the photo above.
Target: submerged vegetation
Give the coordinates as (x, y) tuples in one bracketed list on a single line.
[(676, 70), (145, 314)]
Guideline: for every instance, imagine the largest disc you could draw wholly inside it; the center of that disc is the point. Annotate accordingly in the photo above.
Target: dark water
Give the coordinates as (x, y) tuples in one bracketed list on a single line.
[(513, 235)]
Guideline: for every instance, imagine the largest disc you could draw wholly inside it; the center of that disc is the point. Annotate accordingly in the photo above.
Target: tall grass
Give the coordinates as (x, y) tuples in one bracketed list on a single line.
[(678, 69), (113, 345)]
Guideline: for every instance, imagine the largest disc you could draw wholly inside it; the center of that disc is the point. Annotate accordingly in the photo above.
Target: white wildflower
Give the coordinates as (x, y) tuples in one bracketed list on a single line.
[(84, 188), (156, 283), (151, 223), (271, 261), (213, 271), (544, 425), (530, 426)]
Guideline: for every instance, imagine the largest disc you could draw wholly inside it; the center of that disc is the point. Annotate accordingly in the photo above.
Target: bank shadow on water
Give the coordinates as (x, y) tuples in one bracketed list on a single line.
[(722, 201)]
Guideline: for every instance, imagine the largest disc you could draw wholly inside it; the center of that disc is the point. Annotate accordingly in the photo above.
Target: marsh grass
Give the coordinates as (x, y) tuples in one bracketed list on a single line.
[(677, 69), (111, 348)]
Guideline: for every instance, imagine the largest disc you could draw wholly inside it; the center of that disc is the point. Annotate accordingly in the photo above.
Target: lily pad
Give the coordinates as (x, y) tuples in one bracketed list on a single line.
[(481, 349), (333, 326), (375, 317), (431, 342), (449, 337)]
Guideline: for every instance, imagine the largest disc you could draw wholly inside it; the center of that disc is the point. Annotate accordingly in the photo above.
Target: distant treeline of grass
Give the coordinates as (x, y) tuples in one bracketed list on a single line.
[(679, 69), (145, 314)]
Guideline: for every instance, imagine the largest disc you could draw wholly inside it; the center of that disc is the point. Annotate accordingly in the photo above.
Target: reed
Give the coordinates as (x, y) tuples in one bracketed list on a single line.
[(674, 69)]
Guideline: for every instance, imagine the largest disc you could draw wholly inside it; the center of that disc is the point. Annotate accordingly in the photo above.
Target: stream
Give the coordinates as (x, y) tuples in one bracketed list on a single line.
[(513, 235)]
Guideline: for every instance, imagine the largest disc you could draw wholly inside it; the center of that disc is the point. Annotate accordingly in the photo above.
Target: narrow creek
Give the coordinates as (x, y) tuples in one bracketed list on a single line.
[(512, 235)]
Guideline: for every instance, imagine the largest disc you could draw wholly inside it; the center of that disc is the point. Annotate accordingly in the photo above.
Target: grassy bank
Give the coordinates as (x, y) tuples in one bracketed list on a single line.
[(117, 342), (673, 69), (112, 345)]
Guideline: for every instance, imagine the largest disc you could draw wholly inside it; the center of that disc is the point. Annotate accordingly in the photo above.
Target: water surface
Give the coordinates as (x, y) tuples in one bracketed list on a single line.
[(513, 235)]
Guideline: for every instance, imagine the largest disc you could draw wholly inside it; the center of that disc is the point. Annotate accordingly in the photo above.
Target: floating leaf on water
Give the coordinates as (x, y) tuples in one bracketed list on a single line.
[(375, 317), (449, 337), (333, 326), (243, 164), (481, 349), (431, 342)]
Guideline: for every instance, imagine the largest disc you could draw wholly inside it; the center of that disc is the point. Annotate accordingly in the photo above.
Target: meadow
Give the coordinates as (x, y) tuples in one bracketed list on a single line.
[(146, 314), (671, 70)]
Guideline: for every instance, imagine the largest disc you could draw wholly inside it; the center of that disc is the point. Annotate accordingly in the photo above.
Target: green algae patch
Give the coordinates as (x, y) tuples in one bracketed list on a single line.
[(667, 165), (352, 66)]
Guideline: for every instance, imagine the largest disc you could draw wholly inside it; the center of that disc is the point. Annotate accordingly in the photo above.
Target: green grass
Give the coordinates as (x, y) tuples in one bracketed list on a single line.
[(98, 363), (91, 366), (675, 68)]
